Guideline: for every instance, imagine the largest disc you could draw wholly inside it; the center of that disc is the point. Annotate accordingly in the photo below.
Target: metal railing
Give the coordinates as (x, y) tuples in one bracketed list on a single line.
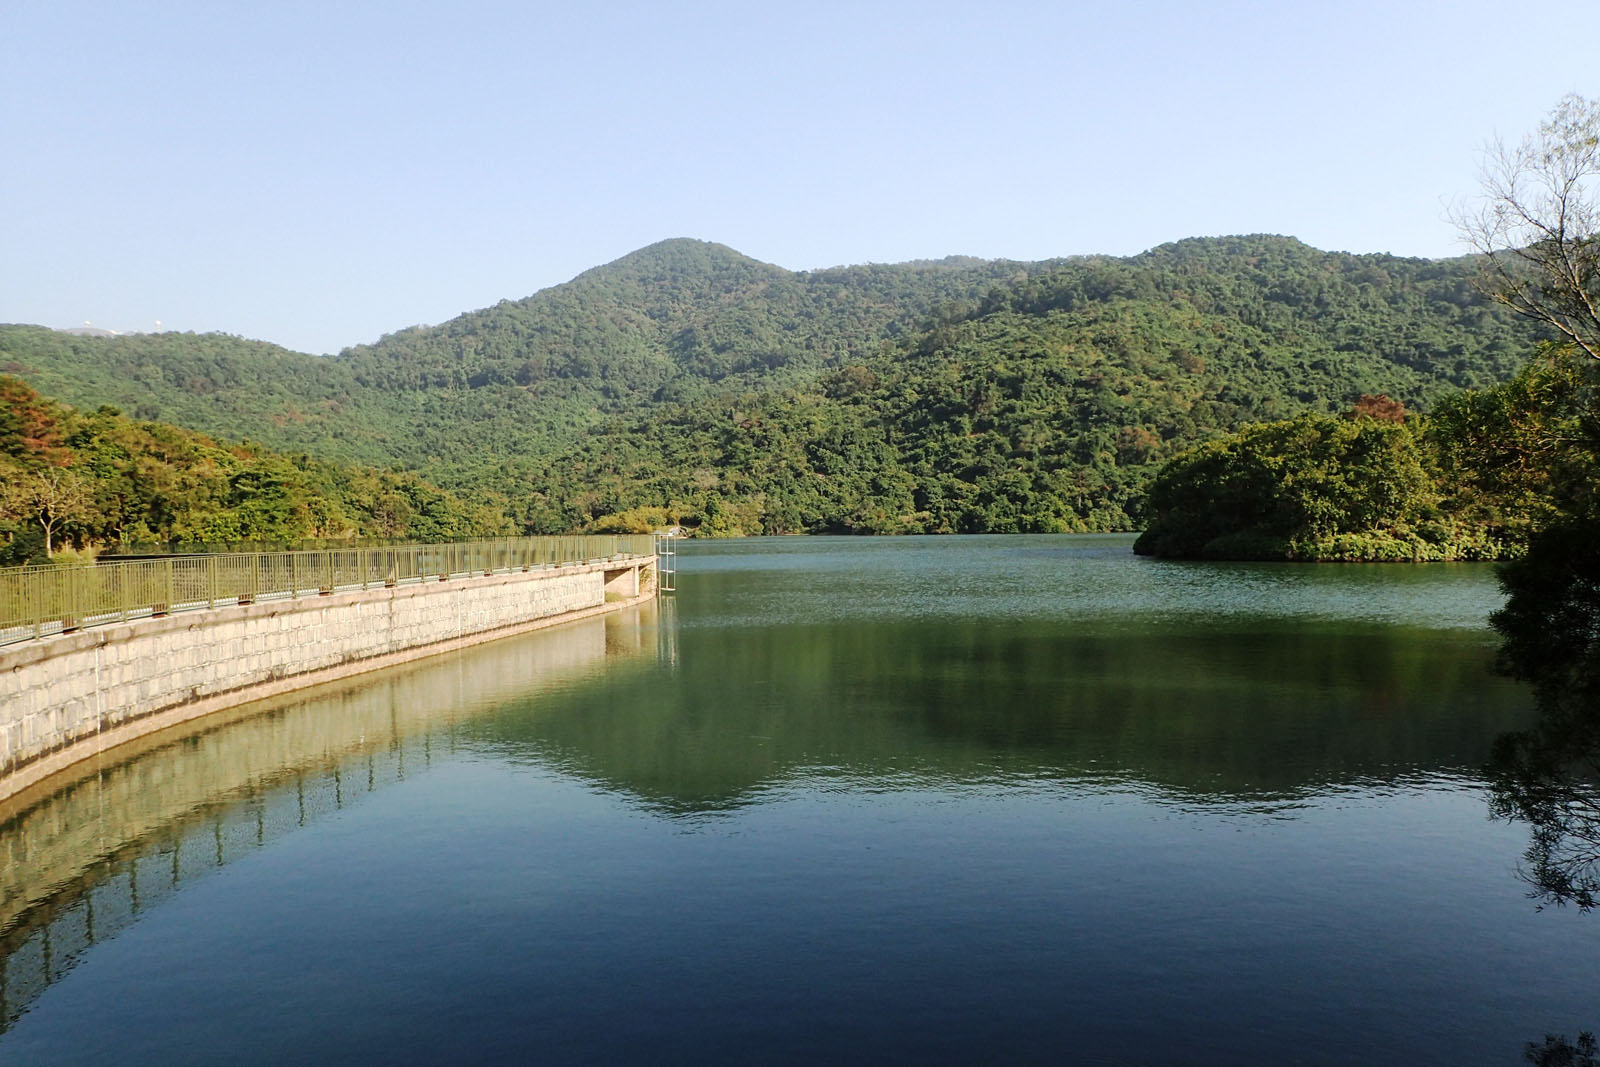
[(40, 601)]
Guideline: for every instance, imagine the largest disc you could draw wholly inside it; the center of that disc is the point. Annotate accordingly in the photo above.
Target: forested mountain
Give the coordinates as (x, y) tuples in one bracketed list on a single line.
[(669, 319), (951, 395), (666, 322)]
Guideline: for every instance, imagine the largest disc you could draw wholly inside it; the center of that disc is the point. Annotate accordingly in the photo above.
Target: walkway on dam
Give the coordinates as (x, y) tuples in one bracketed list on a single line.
[(98, 656), (40, 601)]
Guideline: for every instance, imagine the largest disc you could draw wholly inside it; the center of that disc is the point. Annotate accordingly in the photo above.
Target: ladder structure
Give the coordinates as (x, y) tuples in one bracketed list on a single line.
[(667, 560)]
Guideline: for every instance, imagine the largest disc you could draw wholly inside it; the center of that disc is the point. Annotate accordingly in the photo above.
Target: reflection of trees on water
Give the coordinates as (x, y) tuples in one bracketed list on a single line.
[(1247, 719), (1550, 625), (1556, 1051), (1548, 775)]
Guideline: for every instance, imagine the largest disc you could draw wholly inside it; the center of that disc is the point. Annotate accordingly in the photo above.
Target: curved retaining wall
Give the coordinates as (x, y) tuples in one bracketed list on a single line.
[(66, 698), (80, 864)]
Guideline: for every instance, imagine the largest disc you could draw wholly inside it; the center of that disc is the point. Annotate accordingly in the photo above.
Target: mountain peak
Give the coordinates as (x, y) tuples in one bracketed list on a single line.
[(683, 256)]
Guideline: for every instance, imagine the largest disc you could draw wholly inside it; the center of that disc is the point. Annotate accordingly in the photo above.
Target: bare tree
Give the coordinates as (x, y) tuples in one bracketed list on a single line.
[(51, 497), (1536, 224)]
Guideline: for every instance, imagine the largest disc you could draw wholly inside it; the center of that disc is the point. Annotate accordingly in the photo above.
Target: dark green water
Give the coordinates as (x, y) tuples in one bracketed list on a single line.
[(995, 799)]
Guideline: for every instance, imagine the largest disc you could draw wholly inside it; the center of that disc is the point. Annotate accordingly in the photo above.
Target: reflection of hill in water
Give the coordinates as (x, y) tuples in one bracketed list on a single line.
[(1228, 716), (1240, 713), (79, 865)]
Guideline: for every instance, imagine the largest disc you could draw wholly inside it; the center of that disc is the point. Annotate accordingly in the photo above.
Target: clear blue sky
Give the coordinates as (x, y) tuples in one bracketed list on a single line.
[(318, 174)]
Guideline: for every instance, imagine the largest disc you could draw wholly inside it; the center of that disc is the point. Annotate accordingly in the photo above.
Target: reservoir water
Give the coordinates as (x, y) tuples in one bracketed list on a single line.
[(1011, 799)]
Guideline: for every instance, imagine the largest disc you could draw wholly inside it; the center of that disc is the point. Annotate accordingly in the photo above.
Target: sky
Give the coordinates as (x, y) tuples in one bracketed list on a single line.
[(320, 174)]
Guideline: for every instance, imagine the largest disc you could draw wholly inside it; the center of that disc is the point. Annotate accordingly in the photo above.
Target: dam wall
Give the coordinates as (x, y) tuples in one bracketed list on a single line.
[(68, 697)]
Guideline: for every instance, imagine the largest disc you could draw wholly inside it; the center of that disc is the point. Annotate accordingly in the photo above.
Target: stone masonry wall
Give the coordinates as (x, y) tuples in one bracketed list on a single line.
[(71, 689)]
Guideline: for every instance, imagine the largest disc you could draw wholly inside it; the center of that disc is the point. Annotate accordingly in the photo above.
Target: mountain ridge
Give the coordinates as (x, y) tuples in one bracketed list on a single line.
[(951, 377)]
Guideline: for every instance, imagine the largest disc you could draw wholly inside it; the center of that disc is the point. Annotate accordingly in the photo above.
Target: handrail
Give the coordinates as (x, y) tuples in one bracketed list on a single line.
[(40, 601)]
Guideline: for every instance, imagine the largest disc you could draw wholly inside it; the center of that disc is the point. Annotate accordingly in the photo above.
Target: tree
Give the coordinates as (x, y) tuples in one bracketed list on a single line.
[(1380, 408), (51, 497), (1525, 450), (1536, 226), (392, 514), (29, 424), (1538, 231), (1313, 487)]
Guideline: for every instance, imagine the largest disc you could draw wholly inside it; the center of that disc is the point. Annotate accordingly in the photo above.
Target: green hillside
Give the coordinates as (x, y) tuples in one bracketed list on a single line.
[(90, 480), (951, 395), (1049, 403), (665, 322), (674, 316)]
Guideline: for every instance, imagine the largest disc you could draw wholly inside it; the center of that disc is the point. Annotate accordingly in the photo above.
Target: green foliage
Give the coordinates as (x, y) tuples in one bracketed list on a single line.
[(1478, 479), (1045, 407), (1540, 442), (1524, 454), (99, 479), (1313, 487), (950, 396), (634, 521)]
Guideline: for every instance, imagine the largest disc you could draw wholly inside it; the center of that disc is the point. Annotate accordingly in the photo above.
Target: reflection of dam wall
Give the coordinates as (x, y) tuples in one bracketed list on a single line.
[(78, 866), (64, 698)]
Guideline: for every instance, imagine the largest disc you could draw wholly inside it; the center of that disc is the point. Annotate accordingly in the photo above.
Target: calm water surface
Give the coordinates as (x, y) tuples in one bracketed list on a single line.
[(1025, 798)]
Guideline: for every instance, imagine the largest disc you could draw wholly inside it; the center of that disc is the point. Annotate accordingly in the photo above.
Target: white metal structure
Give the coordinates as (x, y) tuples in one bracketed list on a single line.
[(667, 560)]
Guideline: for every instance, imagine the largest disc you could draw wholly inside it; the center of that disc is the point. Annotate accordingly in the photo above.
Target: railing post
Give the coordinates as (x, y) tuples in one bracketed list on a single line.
[(152, 585), (69, 614), (249, 595)]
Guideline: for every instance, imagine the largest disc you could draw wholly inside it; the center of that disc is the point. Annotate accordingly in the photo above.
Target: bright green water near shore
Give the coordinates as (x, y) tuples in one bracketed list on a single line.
[(961, 798)]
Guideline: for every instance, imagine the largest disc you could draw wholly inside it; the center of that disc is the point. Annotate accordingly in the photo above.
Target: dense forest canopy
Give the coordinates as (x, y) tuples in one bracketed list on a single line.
[(1371, 485), (1483, 477), (688, 381), (73, 480)]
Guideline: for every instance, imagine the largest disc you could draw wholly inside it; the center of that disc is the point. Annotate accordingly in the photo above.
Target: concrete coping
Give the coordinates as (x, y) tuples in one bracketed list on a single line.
[(31, 771)]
